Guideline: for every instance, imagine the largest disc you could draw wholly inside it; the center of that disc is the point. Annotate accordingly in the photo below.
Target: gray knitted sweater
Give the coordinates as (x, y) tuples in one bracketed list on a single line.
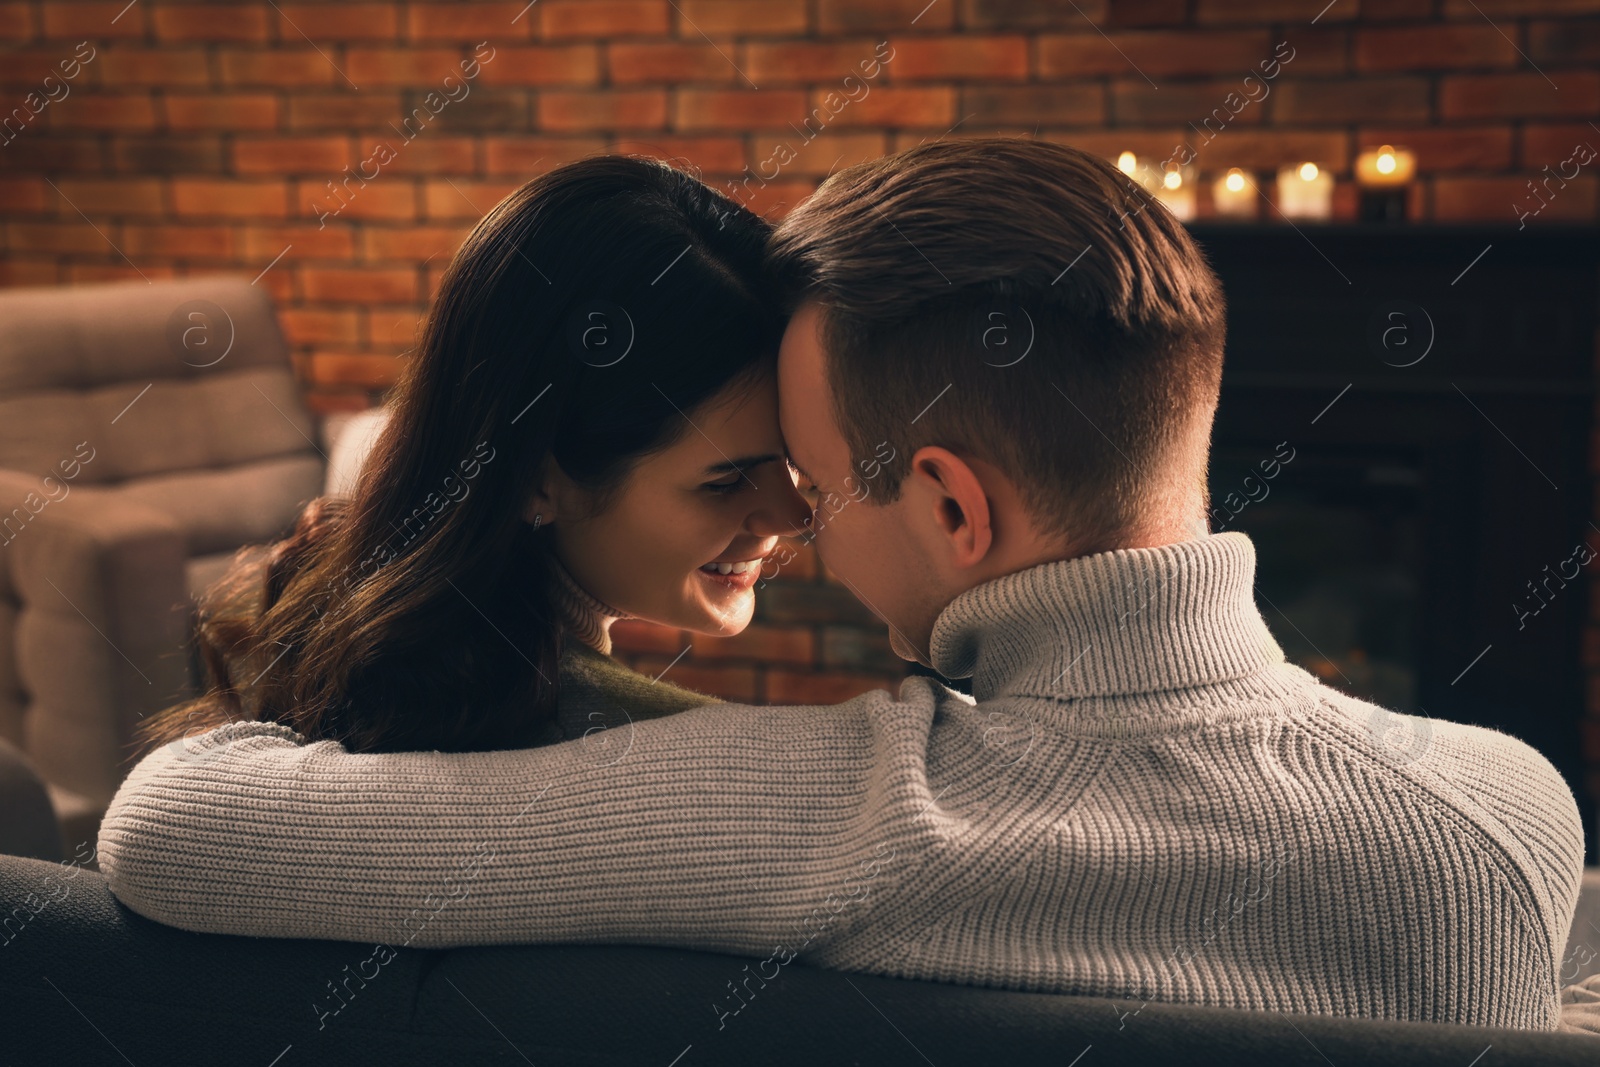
[(1144, 801)]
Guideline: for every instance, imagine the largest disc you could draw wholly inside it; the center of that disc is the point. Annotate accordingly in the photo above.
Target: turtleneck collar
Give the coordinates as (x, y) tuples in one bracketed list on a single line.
[(1141, 620), (586, 614)]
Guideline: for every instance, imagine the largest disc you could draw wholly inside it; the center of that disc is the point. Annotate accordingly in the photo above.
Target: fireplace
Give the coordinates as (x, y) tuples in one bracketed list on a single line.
[(1423, 547)]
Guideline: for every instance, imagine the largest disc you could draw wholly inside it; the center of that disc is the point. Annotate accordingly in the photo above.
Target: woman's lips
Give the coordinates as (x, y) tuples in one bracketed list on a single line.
[(742, 580)]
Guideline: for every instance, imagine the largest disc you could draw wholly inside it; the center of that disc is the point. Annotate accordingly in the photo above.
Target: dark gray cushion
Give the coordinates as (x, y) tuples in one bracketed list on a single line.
[(85, 981)]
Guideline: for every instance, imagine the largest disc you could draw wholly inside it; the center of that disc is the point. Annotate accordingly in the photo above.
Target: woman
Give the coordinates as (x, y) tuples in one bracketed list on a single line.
[(587, 432)]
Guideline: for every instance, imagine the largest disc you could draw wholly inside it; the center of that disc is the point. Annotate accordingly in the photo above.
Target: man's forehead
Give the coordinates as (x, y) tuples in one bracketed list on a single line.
[(803, 387)]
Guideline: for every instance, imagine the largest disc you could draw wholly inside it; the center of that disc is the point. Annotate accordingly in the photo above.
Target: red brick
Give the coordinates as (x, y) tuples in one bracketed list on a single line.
[(395, 329), (16, 22), (182, 242), (1290, 12), (290, 155), (53, 154), (316, 325), (1267, 149), (1030, 14), (770, 63), (210, 22), (19, 271), (1519, 8), (1434, 47), (1569, 41), (221, 111), (718, 155), (638, 635), (763, 643), (26, 68), (321, 402), (968, 56), (428, 155), (1050, 105), (1550, 145), (740, 18), (291, 68), (65, 18), (122, 196), (893, 106), (531, 156), (470, 22), (124, 67), (736, 109), (1523, 95), (353, 368), (560, 19), (345, 198), (1503, 200), (403, 66), (338, 22), (465, 200), (572, 64), (59, 237), (667, 62), (1319, 50), (120, 271), (793, 687), (263, 243), (203, 197), (1446, 148), (345, 111), (1124, 14), (359, 285), (630, 109), (801, 565), (25, 194), (1358, 100), (1083, 55), (817, 157), (854, 16), (412, 242), (1392, 10), (167, 155)]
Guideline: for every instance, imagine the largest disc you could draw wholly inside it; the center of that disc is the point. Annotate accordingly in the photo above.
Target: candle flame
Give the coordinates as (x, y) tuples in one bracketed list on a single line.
[(1308, 171), (1235, 180), (1386, 163), (1127, 163)]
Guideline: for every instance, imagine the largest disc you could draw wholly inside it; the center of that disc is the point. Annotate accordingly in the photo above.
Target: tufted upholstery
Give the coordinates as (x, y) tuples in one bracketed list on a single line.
[(147, 431)]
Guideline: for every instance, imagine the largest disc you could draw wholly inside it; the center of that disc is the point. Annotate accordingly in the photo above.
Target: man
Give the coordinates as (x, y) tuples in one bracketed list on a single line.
[(1141, 798)]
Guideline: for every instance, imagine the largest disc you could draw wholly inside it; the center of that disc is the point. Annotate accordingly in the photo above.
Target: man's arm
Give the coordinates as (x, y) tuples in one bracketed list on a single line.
[(718, 827)]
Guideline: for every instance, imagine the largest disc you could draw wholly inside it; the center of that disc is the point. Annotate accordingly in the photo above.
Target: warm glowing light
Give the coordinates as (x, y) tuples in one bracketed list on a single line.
[(1172, 180), (1308, 171), (1235, 180), (1127, 163), (1385, 163)]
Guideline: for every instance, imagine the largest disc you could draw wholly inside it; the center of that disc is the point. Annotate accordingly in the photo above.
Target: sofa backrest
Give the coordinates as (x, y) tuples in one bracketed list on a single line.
[(174, 375)]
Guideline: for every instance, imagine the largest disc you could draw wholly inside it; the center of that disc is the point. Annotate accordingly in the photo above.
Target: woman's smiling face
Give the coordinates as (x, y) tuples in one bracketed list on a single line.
[(723, 493)]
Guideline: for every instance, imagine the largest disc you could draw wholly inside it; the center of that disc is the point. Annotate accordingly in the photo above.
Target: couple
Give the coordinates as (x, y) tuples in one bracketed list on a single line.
[(1007, 362)]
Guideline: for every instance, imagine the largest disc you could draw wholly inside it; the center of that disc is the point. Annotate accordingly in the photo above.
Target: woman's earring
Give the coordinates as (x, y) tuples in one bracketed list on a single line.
[(537, 519)]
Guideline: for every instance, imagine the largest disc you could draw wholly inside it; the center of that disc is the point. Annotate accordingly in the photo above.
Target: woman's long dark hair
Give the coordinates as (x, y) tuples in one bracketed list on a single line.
[(579, 321)]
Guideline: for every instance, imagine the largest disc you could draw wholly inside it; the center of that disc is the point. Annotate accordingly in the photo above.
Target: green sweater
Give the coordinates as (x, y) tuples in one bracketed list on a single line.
[(598, 693)]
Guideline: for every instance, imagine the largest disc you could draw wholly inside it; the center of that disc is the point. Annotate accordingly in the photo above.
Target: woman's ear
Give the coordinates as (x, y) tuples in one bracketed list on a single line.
[(541, 500), (960, 505)]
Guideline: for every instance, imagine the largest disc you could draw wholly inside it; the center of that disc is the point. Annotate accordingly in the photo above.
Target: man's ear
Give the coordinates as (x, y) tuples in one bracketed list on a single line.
[(960, 505)]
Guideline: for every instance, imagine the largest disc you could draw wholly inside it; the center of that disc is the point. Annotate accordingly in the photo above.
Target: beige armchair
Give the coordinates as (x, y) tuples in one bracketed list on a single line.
[(147, 431)]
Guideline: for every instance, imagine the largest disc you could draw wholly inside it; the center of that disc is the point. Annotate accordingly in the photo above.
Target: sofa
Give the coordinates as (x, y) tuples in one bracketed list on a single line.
[(85, 981), (147, 432)]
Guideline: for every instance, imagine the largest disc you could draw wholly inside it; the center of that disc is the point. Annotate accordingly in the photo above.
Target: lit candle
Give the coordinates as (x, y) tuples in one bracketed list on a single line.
[(1234, 195), (1305, 192), (1385, 165), (1176, 190)]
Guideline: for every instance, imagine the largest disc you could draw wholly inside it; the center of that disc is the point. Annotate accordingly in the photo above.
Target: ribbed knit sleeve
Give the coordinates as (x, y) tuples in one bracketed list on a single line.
[(249, 830)]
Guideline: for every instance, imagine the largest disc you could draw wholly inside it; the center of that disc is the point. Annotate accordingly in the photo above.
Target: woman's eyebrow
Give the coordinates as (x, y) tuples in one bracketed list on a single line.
[(734, 466)]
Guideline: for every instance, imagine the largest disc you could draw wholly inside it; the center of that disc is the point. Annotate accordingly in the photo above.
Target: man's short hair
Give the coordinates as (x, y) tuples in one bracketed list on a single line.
[(1022, 302)]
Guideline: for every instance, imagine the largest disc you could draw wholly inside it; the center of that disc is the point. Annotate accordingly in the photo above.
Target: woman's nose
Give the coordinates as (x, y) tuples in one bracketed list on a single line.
[(780, 508)]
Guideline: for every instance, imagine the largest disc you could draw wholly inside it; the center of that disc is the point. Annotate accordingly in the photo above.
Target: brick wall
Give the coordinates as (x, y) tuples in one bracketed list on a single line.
[(178, 138)]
